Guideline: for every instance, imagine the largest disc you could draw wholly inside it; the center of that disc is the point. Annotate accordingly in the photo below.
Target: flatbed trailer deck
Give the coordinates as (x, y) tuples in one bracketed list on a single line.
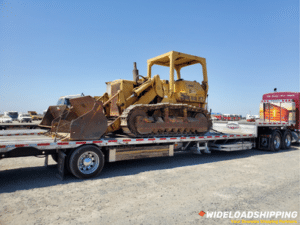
[(86, 159), (22, 132), (17, 125)]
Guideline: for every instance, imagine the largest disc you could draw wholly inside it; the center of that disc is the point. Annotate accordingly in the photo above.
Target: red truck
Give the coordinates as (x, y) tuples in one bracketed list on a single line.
[(282, 107), (227, 117)]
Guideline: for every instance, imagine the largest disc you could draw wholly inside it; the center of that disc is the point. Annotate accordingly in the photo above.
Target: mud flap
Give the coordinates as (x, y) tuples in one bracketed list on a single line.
[(61, 165), (264, 141)]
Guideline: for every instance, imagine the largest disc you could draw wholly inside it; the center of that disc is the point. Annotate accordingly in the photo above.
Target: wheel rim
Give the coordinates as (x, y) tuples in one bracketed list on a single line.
[(277, 142), (88, 162), (264, 142), (288, 140)]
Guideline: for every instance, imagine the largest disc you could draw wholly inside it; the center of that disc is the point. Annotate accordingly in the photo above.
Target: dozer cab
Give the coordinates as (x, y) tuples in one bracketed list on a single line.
[(142, 107)]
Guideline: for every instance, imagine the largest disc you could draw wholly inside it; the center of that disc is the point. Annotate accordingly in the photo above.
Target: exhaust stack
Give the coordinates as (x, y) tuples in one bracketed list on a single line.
[(135, 72)]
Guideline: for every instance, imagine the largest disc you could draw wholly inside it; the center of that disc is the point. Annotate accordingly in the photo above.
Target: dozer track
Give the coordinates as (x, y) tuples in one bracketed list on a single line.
[(144, 120)]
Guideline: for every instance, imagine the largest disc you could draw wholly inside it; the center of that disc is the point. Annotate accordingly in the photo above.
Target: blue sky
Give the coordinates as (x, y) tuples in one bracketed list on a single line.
[(55, 48)]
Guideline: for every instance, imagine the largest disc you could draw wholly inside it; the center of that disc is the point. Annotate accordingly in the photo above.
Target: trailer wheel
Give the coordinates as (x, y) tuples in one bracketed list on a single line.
[(86, 161), (275, 143), (286, 140)]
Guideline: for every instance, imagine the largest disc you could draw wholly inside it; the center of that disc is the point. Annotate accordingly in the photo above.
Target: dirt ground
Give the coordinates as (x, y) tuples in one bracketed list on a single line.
[(152, 191)]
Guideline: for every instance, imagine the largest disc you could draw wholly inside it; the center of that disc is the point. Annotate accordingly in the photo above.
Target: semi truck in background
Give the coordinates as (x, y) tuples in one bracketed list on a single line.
[(12, 114)]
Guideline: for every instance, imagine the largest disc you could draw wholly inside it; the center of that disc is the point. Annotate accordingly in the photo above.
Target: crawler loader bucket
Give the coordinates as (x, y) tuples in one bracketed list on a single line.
[(84, 120), (52, 113)]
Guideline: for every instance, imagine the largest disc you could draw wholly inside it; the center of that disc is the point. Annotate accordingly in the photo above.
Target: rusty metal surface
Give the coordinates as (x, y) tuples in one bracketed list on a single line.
[(131, 120), (79, 106), (175, 119), (111, 98), (52, 113), (114, 110), (91, 125), (84, 120), (82, 105), (130, 152), (135, 72)]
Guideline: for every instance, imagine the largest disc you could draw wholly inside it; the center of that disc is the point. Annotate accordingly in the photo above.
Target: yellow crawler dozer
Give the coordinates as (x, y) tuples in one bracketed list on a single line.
[(144, 106)]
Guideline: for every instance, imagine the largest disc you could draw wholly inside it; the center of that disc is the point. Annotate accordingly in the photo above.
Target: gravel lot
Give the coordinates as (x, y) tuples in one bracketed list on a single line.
[(152, 191)]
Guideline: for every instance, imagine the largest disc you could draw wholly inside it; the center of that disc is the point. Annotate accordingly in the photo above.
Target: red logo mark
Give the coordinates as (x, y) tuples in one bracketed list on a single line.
[(201, 213)]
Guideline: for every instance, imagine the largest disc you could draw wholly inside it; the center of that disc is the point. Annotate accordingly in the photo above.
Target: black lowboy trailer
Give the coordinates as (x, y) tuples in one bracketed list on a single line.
[(85, 159)]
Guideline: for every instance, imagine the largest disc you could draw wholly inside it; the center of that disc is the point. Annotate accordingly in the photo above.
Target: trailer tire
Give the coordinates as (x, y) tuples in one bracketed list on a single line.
[(86, 161), (67, 162), (286, 140), (275, 143)]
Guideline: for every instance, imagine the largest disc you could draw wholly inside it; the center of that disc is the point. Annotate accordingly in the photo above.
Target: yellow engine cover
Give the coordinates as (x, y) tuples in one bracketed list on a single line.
[(189, 92), (125, 88)]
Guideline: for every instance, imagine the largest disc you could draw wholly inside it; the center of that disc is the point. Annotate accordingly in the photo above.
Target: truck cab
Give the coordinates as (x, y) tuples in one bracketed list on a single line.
[(12, 114), (65, 100), (281, 107)]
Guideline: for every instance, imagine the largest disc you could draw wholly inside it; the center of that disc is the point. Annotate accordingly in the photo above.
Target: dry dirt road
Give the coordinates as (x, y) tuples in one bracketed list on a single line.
[(152, 191)]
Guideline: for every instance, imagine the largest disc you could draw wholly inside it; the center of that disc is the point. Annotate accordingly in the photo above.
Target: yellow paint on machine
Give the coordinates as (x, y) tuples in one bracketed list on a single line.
[(121, 94)]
